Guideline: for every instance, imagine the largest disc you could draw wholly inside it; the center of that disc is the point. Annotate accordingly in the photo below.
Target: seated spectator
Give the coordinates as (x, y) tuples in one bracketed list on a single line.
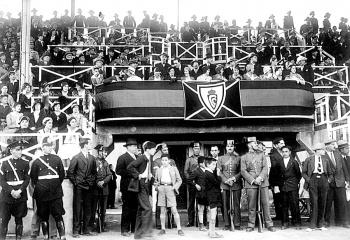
[(231, 64), (135, 63), (306, 71), (58, 117), (12, 119), (267, 75), (219, 73), (10, 100), (172, 75), (36, 116), (64, 96), (25, 98), (5, 109), (77, 115), (253, 60), (179, 72), (236, 74), (206, 75), (157, 75), (97, 77), (294, 76), (24, 128), (130, 74), (187, 76), (163, 66), (13, 86), (250, 75), (56, 56), (195, 71), (68, 59)]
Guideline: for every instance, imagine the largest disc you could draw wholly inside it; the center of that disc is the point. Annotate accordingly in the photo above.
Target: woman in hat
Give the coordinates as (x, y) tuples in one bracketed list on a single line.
[(59, 118), (36, 117), (64, 97), (46, 129), (25, 98)]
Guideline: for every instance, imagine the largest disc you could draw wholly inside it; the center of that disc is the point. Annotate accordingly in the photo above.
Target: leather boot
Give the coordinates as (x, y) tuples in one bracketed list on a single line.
[(61, 230), (45, 229), (19, 231), (3, 232)]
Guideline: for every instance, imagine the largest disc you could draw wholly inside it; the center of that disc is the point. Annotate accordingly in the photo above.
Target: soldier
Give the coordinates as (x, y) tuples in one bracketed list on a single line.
[(100, 190), (255, 173), (229, 169), (191, 165), (14, 179), (47, 175)]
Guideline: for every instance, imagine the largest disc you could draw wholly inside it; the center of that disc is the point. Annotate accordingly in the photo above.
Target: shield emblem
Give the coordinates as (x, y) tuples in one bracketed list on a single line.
[(212, 97)]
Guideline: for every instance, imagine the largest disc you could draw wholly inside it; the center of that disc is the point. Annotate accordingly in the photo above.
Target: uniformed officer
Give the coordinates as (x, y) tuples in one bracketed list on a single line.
[(191, 164), (254, 170), (14, 179), (47, 175), (100, 189), (229, 169)]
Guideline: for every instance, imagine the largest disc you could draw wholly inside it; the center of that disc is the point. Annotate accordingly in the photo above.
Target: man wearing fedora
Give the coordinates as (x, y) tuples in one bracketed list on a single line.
[(129, 199), (82, 173), (305, 70), (336, 190), (14, 180), (317, 173), (163, 66), (343, 147), (254, 170)]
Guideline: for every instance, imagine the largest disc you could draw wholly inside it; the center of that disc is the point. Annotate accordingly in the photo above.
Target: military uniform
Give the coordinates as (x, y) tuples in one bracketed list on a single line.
[(253, 165), (230, 166), (101, 194), (47, 175), (13, 176), (191, 165)]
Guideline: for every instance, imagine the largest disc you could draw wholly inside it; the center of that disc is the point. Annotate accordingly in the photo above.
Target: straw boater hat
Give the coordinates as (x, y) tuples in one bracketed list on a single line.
[(318, 146)]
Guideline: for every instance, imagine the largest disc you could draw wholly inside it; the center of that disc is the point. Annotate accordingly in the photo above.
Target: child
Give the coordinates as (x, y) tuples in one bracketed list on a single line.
[(197, 179), (168, 182), (213, 191)]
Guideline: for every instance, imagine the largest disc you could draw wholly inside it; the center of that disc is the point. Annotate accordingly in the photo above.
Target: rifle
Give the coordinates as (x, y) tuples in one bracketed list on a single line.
[(259, 212), (98, 212), (231, 212)]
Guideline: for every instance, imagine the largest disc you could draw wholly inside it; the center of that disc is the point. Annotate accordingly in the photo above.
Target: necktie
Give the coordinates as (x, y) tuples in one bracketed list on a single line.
[(319, 166), (332, 158)]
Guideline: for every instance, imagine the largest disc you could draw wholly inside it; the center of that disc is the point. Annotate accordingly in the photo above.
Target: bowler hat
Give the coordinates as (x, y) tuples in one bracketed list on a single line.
[(130, 141)]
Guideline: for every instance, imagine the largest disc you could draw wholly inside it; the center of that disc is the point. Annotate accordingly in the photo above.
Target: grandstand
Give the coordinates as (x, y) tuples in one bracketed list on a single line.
[(87, 67)]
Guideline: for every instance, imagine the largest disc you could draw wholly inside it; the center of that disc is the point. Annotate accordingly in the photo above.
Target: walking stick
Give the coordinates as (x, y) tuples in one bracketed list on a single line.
[(231, 211), (259, 211)]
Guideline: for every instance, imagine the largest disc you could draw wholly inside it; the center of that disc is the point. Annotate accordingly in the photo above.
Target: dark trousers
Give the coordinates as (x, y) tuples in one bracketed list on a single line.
[(191, 209), (82, 200), (290, 200), (129, 210), (143, 226), (111, 197), (318, 186), (53, 207), (347, 217), (236, 194), (336, 195), (101, 202), (277, 202)]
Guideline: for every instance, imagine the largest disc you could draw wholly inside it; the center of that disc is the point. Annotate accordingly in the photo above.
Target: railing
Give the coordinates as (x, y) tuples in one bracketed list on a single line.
[(217, 46)]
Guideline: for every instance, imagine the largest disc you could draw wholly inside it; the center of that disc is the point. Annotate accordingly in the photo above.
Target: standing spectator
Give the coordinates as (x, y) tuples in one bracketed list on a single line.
[(64, 97), (5, 109), (13, 86), (326, 23), (112, 186), (314, 22), (290, 178), (317, 174), (129, 198), (82, 173), (129, 23), (343, 147), (79, 22), (336, 191), (288, 24), (141, 170), (254, 170)]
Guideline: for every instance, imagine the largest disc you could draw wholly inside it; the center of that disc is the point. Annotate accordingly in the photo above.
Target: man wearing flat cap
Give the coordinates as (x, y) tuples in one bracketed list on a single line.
[(47, 175), (141, 169), (317, 173), (254, 170), (129, 199), (100, 188), (343, 147), (82, 173), (336, 190), (14, 180)]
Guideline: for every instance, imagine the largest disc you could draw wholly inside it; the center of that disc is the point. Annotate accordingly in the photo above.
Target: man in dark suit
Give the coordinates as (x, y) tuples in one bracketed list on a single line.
[(196, 71), (100, 188), (141, 169), (163, 66), (228, 71), (254, 170), (129, 23), (112, 186), (306, 70), (317, 173), (343, 148), (336, 191), (289, 186), (209, 64), (129, 199), (314, 22), (82, 173)]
